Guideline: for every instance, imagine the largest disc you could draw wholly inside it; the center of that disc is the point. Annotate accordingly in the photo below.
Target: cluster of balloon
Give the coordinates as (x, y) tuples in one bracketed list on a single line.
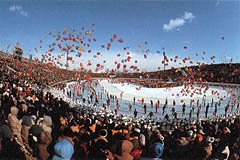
[(194, 77), (79, 43), (189, 76), (68, 44)]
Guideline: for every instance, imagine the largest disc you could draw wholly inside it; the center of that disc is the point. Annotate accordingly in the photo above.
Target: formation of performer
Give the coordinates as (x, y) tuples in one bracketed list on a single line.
[(76, 93)]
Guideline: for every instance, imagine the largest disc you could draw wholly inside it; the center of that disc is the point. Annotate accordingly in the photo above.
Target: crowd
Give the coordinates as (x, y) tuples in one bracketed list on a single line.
[(34, 71), (35, 124)]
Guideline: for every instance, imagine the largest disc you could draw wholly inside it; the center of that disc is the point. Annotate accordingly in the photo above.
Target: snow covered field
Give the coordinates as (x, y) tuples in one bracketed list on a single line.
[(129, 91)]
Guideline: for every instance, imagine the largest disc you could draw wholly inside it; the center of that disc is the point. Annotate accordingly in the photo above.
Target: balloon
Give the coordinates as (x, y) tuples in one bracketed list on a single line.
[(114, 36), (120, 40), (118, 66)]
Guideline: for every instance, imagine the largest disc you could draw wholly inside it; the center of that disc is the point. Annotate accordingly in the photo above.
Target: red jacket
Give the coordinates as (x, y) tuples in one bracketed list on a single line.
[(137, 154)]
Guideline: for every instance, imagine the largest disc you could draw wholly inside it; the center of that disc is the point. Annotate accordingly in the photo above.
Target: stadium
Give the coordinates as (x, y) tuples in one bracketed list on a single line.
[(120, 81)]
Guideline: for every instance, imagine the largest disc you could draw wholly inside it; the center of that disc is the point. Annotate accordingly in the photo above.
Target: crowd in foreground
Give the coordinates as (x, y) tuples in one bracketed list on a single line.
[(35, 124)]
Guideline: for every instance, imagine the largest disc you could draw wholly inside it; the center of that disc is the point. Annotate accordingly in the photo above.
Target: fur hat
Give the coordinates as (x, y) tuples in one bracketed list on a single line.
[(47, 120), (35, 130), (5, 131), (26, 121), (46, 124), (63, 150), (14, 110)]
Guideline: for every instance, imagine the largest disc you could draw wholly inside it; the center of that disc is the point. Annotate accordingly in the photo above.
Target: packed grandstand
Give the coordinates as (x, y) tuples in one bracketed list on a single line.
[(36, 123)]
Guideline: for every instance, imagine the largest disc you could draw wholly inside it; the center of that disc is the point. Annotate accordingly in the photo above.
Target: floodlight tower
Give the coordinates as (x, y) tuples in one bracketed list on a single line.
[(17, 52)]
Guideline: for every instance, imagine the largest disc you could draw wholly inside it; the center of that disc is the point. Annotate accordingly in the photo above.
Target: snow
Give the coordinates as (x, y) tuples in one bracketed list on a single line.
[(129, 92)]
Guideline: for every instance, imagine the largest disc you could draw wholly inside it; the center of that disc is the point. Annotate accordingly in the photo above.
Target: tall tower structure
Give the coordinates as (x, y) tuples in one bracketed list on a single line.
[(17, 52)]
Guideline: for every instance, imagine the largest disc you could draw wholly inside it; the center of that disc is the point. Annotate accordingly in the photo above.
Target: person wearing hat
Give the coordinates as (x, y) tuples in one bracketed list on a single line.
[(26, 125), (9, 149), (155, 151), (44, 141), (5, 131), (35, 131), (63, 150), (46, 124), (124, 148), (15, 124)]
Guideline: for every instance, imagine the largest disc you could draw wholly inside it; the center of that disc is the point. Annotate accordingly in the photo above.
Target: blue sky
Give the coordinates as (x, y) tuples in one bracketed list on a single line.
[(198, 25)]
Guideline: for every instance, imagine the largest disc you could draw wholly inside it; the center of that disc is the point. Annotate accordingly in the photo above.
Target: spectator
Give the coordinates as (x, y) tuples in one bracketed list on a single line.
[(63, 150)]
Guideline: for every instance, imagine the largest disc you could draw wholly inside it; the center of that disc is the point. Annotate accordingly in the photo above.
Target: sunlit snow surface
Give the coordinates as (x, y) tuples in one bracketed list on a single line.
[(129, 91)]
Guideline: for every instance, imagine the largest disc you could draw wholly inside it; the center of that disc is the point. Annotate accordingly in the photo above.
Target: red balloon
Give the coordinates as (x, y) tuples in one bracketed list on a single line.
[(120, 40), (118, 66)]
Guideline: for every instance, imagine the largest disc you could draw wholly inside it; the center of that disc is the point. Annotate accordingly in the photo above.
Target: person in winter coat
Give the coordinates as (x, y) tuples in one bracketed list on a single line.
[(26, 125), (15, 124), (136, 151), (46, 124), (124, 147), (44, 141), (10, 150)]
